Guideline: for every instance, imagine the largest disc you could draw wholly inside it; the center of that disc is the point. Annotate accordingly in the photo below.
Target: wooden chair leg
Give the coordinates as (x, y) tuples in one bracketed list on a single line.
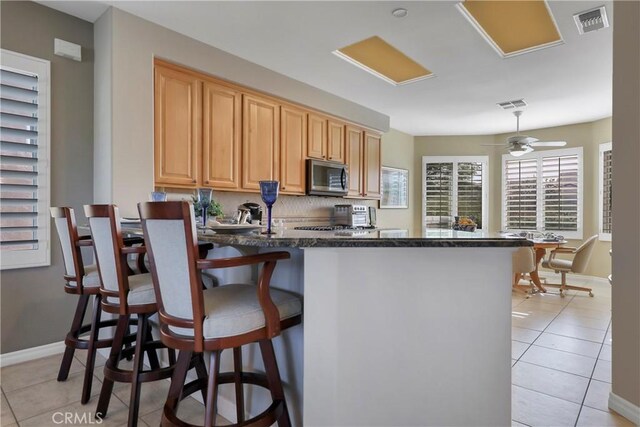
[(201, 372), (237, 377), (177, 381), (76, 324), (212, 390), (138, 359), (91, 350), (114, 357), (273, 378), (152, 354)]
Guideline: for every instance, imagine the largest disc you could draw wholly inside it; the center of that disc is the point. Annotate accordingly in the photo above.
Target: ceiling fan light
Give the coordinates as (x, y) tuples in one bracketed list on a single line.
[(520, 150)]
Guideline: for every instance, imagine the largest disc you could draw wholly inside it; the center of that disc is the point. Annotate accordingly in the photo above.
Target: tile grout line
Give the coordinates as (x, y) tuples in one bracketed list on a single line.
[(591, 378), (9, 405)]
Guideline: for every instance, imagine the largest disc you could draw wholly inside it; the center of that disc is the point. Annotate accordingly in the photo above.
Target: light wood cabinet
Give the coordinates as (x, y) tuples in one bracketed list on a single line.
[(221, 127), (176, 128), (354, 153), (317, 141), (335, 141), (260, 140), (293, 145), (371, 167)]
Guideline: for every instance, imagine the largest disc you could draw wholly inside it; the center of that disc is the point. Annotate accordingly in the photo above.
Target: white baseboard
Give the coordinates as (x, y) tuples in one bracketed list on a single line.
[(624, 408), (8, 359)]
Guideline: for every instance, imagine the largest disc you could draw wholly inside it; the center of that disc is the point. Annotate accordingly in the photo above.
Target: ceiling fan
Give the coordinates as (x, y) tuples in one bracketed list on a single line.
[(520, 145)]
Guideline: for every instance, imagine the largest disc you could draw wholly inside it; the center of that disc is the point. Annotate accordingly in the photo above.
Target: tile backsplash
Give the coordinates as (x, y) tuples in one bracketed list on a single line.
[(292, 209)]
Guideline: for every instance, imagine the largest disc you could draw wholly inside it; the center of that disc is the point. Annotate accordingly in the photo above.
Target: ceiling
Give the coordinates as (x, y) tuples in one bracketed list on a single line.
[(565, 84)]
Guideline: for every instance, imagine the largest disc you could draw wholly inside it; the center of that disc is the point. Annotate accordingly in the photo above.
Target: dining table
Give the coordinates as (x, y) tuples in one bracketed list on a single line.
[(540, 247)]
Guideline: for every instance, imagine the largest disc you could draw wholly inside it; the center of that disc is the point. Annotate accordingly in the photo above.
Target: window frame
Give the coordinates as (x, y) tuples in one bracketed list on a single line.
[(607, 146), (41, 257), (454, 202), (538, 156)]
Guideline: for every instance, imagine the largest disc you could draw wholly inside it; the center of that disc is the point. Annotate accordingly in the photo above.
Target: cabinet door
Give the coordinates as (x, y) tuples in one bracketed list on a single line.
[(354, 161), (293, 131), (260, 140), (176, 127), (317, 142), (221, 125), (335, 144), (371, 166)]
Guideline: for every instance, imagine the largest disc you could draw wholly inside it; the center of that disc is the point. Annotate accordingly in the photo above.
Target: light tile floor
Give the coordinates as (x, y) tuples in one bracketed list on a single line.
[(561, 357), (561, 351)]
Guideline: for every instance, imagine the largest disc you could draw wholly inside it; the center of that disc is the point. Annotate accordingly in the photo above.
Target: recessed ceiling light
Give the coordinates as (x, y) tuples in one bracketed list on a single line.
[(399, 12), (384, 61), (513, 27)]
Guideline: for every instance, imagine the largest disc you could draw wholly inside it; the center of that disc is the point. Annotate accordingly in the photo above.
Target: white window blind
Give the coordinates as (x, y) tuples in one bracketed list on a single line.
[(543, 191), (454, 187), (605, 163), (24, 155)]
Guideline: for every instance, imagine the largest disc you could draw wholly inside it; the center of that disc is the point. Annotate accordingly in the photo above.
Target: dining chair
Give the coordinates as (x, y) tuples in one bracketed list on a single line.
[(524, 262), (578, 264), (124, 296), (84, 281), (194, 320)]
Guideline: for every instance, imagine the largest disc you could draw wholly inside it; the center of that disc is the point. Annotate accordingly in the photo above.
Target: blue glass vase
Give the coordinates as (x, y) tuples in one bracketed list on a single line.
[(204, 198), (269, 193)]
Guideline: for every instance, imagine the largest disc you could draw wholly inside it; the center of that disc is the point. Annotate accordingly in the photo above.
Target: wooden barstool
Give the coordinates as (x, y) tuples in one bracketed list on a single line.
[(83, 281), (194, 320), (124, 296)]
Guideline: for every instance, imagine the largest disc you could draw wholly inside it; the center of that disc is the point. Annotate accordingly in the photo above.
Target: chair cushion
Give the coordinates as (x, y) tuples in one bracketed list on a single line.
[(140, 290), (91, 277), (234, 309), (558, 264)]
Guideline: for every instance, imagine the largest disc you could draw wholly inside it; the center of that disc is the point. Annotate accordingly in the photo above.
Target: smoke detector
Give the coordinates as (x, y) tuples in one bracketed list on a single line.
[(516, 103), (591, 20)]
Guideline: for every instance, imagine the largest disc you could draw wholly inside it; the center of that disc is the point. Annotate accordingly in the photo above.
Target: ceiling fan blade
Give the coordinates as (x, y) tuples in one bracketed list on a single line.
[(521, 139), (494, 145), (548, 144)]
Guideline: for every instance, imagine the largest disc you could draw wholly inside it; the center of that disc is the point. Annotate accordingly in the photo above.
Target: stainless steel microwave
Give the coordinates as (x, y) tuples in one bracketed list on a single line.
[(326, 178)]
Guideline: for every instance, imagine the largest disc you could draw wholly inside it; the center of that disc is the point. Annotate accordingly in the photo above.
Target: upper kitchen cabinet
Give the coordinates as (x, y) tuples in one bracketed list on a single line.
[(260, 140), (221, 129), (176, 127), (335, 143), (317, 141), (354, 153), (371, 166), (293, 144)]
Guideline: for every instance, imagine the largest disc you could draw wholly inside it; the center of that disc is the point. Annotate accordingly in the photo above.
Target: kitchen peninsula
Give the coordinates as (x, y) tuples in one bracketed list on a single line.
[(397, 331)]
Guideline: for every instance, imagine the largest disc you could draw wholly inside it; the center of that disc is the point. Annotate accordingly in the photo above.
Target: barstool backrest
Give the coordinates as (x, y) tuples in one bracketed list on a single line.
[(65, 221), (172, 247), (104, 221)]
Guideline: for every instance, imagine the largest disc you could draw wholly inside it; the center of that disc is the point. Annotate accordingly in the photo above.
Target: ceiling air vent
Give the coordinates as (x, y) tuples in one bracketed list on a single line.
[(516, 103), (591, 20)]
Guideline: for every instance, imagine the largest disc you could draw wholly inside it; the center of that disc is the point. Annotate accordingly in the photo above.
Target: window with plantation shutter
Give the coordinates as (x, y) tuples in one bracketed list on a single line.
[(454, 186), (543, 191), (24, 161), (604, 185)]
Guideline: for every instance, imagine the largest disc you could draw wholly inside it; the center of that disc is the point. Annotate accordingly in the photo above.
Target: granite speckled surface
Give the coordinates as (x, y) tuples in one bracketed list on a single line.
[(386, 238)]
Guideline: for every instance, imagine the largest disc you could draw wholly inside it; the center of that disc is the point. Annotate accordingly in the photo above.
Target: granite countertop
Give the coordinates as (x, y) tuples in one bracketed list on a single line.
[(391, 238)]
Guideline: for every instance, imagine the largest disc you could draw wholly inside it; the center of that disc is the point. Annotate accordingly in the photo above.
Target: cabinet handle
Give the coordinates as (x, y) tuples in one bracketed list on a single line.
[(206, 182), (194, 181), (284, 188)]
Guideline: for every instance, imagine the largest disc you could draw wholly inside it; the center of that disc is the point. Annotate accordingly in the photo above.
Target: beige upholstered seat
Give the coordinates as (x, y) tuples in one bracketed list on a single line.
[(91, 278), (578, 264), (140, 290)]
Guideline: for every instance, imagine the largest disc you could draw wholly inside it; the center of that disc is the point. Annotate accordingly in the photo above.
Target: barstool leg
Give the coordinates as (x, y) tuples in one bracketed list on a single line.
[(177, 381), (212, 390), (114, 357), (154, 362), (138, 359), (201, 372), (91, 350), (273, 378), (237, 377), (76, 324)]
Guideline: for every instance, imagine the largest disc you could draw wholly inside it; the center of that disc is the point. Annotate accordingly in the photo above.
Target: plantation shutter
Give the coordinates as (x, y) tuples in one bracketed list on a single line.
[(24, 186), (470, 191), (521, 193), (560, 192), (439, 195), (606, 191)]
